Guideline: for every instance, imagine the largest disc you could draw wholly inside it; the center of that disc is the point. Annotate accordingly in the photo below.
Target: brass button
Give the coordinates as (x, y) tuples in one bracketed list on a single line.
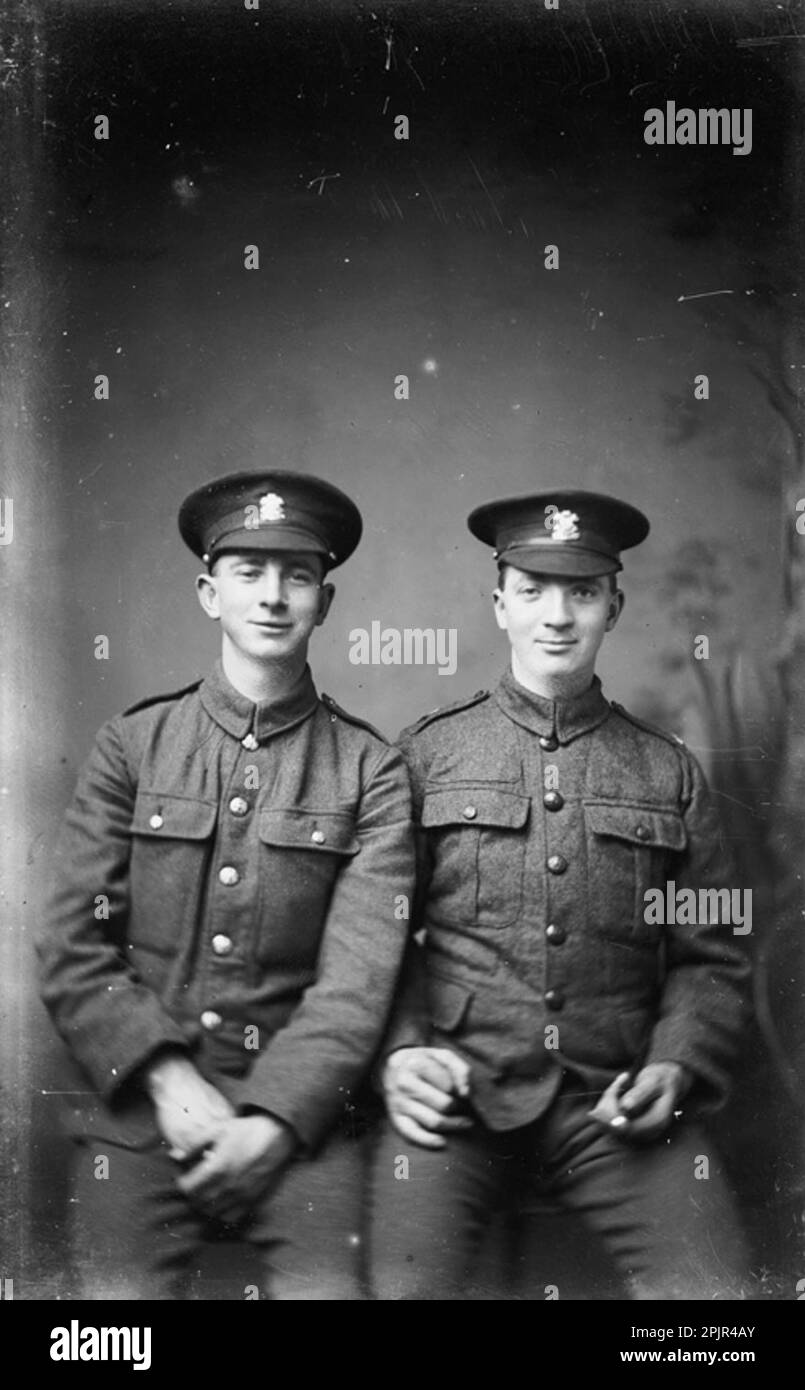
[(642, 832), (250, 742), (211, 1020), (221, 944), (238, 806), (556, 935), (470, 812), (557, 864), (229, 876), (156, 822), (548, 743), (318, 837), (554, 999), (554, 801)]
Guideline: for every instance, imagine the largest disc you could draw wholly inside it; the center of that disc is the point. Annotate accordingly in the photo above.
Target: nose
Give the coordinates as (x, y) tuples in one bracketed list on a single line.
[(556, 612), (272, 587)]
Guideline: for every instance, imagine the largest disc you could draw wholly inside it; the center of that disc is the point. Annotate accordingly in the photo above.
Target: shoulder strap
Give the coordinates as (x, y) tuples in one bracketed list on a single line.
[(673, 739), (444, 711), (333, 705), (162, 699)]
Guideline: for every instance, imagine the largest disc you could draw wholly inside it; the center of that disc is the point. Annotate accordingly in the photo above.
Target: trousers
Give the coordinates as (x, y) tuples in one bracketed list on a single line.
[(136, 1236), (663, 1209)]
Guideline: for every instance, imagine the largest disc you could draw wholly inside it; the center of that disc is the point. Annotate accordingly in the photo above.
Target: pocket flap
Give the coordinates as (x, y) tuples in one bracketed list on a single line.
[(474, 806), (448, 1001), (641, 825), (329, 832), (165, 817)]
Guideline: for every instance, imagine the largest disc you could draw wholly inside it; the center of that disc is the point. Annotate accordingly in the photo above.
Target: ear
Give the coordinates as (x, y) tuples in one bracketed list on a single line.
[(616, 603), (500, 609), (207, 591), (326, 596)]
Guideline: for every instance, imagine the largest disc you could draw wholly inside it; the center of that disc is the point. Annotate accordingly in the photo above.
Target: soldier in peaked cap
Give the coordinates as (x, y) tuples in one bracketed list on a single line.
[(550, 1028), (248, 841), (277, 511)]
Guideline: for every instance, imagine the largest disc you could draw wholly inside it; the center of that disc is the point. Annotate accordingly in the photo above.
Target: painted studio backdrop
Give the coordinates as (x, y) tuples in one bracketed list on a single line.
[(426, 252)]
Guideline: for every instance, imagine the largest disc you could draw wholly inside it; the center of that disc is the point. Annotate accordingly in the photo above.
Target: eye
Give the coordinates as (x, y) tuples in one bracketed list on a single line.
[(584, 591)]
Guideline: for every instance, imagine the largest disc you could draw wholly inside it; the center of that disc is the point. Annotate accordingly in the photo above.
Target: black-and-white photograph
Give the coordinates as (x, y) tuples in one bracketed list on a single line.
[(402, 542)]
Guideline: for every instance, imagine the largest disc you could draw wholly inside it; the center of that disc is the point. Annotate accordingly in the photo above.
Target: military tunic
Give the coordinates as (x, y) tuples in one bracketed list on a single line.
[(541, 826), (228, 882)]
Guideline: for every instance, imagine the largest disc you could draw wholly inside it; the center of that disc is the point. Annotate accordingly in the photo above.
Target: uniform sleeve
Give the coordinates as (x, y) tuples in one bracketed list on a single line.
[(110, 1021), (704, 1005), (309, 1068), (409, 1023)]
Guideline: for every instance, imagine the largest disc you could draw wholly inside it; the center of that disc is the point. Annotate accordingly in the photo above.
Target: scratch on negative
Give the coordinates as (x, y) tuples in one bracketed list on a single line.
[(705, 294), (486, 190)]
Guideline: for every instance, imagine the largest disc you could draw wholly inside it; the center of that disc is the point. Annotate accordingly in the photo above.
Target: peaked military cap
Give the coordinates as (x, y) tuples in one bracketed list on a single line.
[(560, 532), (270, 511)]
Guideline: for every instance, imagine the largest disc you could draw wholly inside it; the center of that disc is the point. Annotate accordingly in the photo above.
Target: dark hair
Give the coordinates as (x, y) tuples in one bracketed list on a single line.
[(503, 567)]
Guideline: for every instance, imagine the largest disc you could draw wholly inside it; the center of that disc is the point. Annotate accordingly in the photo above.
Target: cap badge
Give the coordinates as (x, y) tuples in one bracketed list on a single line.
[(563, 526), (272, 507)]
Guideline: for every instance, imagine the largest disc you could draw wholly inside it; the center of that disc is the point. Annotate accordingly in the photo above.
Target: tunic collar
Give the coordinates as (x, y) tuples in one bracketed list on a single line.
[(255, 722), (562, 720)]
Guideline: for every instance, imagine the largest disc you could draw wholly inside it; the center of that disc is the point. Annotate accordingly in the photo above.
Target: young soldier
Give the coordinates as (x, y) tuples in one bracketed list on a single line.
[(222, 944), (549, 1032)]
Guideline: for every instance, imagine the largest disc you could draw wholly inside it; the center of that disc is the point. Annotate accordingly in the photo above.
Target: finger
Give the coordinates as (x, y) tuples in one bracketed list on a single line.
[(458, 1068), (193, 1151), (205, 1179), (641, 1095), (653, 1120), (431, 1070), (430, 1119), (415, 1088), (418, 1063), (607, 1107), (610, 1097), (617, 1087), (410, 1130)]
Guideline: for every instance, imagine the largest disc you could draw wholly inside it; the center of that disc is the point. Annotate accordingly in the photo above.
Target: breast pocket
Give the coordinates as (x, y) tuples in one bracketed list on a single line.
[(476, 838), (171, 845), (302, 852), (630, 849)]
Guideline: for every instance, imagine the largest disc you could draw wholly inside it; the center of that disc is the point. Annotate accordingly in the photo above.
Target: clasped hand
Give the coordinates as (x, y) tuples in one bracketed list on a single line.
[(424, 1087), (642, 1107), (229, 1160)]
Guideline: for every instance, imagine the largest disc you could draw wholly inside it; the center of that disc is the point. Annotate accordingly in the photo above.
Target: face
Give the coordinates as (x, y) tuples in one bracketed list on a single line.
[(267, 602), (556, 625)]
